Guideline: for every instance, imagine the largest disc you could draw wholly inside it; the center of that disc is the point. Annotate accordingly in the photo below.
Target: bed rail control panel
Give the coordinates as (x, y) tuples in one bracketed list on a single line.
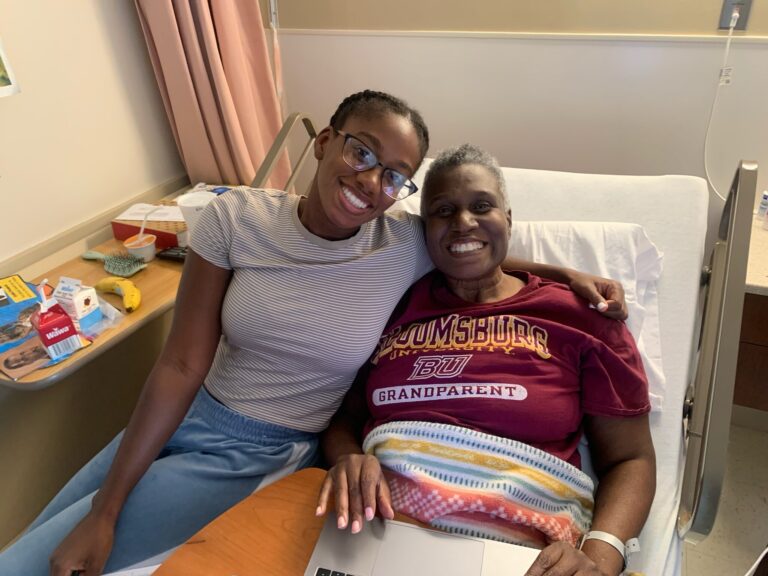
[(706, 274), (707, 407)]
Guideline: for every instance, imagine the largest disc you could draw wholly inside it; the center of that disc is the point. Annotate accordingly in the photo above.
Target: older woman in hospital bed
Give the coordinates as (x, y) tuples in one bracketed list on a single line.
[(478, 393)]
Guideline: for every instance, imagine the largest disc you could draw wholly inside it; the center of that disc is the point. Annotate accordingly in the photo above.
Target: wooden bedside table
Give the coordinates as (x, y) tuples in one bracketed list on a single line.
[(158, 283), (751, 389)]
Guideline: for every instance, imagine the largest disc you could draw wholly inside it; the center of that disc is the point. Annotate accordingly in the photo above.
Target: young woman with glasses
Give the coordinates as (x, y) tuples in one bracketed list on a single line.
[(282, 299)]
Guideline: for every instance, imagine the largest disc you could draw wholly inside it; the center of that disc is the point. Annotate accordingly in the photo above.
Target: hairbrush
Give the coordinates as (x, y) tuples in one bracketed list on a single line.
[(118, 264)]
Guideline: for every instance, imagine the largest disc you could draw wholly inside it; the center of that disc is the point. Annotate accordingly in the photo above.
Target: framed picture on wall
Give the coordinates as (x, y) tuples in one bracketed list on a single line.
[(8, 83)]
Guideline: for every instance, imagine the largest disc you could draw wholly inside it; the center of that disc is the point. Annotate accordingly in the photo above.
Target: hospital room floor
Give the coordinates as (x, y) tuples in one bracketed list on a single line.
[(741, 529)]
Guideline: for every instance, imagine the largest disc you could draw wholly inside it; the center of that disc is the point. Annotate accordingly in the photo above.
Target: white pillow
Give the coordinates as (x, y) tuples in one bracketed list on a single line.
[(614, 250)]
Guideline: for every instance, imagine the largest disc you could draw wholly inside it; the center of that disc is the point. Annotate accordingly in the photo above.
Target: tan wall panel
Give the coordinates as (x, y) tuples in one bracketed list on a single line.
[(48, 435), (552, 16)]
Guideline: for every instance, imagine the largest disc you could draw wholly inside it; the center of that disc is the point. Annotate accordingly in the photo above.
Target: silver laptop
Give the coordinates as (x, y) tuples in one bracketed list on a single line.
[(389, 548)]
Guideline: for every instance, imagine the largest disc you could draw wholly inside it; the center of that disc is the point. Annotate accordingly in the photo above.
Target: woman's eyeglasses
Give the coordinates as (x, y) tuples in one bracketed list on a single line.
[(361, 158)]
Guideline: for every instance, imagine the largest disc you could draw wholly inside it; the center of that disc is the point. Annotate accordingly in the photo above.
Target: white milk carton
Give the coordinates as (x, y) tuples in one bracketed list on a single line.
[(77, 300)]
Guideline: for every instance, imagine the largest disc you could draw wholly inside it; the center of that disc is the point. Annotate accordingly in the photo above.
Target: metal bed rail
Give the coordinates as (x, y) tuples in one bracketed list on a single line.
[(278, 147), (709, 399)]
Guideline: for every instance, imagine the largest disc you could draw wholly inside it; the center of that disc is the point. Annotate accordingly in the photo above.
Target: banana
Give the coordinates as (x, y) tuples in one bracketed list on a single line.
[(122, 287)]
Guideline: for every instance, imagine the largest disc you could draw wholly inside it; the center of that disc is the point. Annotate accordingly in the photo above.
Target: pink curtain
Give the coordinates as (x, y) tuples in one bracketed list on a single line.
[(212, 66)]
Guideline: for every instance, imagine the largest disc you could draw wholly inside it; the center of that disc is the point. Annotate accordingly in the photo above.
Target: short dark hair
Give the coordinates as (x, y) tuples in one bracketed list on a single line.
[(466, 154), (371, 102)]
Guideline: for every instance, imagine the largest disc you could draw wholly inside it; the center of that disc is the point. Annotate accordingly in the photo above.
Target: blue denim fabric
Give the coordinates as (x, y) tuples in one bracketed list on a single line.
[(216, 458)]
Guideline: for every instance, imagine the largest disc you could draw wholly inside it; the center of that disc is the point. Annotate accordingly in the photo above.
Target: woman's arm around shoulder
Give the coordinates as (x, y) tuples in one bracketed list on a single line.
[(603, 293), (165, 399)]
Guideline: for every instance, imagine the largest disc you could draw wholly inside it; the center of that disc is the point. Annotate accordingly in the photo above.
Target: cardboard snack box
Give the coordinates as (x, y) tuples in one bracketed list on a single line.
[(169, 234)]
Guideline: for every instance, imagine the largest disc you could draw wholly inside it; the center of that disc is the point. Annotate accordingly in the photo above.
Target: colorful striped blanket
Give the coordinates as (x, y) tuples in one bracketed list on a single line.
[(473, 483)]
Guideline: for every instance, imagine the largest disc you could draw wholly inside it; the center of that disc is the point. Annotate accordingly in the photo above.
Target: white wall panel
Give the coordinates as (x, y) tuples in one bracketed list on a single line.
[(618, 105)]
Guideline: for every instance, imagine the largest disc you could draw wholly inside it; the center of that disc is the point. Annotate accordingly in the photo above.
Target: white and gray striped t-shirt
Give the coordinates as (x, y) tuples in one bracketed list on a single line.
[(301, 313)]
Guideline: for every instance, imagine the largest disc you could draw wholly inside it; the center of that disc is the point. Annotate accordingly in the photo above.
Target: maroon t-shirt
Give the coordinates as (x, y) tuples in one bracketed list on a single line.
[(526, 368)]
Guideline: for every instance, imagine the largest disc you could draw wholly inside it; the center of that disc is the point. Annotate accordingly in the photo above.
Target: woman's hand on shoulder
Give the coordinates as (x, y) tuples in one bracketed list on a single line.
[(562, 559), (359, 489), (86, 549), (603, 293)]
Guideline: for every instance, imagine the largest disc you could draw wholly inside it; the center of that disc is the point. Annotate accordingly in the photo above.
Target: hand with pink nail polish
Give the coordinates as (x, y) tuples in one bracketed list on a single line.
[(606, 295), (359, 489)]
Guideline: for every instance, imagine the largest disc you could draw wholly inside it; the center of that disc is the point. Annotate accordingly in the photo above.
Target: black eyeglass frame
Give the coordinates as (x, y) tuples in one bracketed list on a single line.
[(408, 184)]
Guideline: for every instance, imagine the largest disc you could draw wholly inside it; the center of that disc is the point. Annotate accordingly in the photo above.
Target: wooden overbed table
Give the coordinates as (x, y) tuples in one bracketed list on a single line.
[(272, 532)]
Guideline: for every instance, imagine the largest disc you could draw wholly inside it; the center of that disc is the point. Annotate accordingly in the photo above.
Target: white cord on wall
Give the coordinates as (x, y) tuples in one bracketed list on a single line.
[(725, 78)]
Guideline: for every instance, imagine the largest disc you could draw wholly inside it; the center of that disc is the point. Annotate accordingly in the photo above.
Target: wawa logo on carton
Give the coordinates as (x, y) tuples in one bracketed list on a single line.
[(57, 331)]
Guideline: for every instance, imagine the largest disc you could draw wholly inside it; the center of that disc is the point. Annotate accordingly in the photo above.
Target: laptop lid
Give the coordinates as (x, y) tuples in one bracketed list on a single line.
[(388, 548), (385, 548)]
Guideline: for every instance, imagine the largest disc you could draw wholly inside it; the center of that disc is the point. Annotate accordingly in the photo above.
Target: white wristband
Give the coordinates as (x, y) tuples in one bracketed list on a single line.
[(625, 549)]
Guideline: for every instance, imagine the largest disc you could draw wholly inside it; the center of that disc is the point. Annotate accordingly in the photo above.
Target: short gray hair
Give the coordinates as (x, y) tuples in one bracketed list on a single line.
[(466, 154)]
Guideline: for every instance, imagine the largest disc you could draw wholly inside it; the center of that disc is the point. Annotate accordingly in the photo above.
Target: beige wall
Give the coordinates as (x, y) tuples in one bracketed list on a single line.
[(567, 16), (88, 130)]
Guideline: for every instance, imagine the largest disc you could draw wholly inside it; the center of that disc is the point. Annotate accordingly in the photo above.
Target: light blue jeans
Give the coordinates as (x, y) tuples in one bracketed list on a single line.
[(216, 458)]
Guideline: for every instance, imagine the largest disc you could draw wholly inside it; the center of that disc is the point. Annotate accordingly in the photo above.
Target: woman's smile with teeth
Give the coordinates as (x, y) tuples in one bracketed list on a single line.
[(460, 247), (352, 199)]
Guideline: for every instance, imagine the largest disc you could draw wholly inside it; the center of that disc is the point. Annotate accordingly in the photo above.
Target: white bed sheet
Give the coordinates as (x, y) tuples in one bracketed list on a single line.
[(617, 250), (673, 211)]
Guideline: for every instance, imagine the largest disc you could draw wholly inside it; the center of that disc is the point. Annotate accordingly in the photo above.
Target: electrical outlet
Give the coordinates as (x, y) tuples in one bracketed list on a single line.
[(725, 15)]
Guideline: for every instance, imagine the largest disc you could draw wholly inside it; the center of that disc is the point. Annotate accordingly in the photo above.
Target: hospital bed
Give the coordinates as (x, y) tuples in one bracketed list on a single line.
[(685, 311), (649, 232)]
